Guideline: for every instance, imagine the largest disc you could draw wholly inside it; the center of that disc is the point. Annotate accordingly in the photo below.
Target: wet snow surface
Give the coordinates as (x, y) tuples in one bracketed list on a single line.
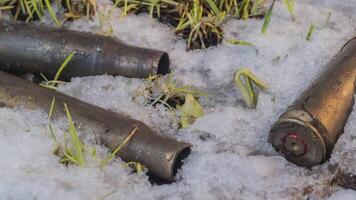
[(231, 158)]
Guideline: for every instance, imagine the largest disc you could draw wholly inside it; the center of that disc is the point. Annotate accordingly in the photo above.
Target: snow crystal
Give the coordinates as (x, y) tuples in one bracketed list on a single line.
[(230, 158)]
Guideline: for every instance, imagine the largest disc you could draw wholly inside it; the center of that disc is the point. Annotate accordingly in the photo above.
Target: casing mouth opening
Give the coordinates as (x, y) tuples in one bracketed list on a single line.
[(179, 161), (163, 64), (176, 165)]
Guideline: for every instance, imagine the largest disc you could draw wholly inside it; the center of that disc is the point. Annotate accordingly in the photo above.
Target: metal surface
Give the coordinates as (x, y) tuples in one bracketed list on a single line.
[(39, 49), (308, 131), (161, 155)]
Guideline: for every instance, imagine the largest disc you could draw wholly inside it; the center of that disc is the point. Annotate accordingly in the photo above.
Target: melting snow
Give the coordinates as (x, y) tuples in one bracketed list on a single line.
[(231, 158)]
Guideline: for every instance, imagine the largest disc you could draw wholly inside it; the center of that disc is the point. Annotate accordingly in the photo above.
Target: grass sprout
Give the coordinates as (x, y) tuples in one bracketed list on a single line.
[(197, 21), (245, 81), (310, 32), (245, 9), (191, 110), (240, 42), (53, 83), (64, 65), (327, 20), (49, 119), (73, 151), (28, 10), (79, 8), (166, 89), (267, 18), (93, 152), (181, 100), (109, 194), (6, 7), (76, 153), (256, 7), (202, 28), (51, 12), (291, 7), (176, 97)]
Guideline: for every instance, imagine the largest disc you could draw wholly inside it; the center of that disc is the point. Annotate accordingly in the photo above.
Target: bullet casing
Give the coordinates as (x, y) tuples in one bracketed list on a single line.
[(41, 50), (161, 155), (307, 132)]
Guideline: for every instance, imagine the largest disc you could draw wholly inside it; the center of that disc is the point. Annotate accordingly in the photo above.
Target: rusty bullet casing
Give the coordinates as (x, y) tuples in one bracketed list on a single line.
[(308, 131), (39, 49), (162, 156)]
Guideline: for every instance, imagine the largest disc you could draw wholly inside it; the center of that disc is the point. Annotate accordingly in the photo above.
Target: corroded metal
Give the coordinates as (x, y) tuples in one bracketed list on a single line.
[(161, 155), (40, 49), (308, 131)]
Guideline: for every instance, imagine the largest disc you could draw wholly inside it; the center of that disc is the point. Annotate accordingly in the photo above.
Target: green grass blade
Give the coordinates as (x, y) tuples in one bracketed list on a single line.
[(327, 20), (93, 152), (255, 6), (51, 109), (49, 118), (79, 156), (213, 7), (109, 194), (51, 12), (52, 133), (70, 158), (267, 18), (6, 7), (290, 7), (240, 42), (245, 11), (64, 65), (310, 32)]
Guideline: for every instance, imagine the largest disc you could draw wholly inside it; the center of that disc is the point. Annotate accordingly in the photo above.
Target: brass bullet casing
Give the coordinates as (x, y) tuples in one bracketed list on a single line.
[(161, 155), (29, 48), (308, 131)]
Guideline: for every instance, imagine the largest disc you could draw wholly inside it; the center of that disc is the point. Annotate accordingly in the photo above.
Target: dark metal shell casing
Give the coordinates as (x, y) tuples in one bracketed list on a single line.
[(308, 131), (161, 155), (39, 49)]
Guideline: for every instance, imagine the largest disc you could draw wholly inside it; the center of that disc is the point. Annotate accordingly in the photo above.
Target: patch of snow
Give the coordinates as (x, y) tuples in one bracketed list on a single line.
[(231, 158), (343, 194), (344, 151)]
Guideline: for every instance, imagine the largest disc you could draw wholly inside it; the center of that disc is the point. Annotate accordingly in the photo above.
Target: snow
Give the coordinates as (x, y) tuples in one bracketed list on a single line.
[(231, 158), (344, 194)]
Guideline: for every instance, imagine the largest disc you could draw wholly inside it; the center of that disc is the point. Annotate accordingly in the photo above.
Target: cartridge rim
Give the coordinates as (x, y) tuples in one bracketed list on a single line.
[(299, 141)]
